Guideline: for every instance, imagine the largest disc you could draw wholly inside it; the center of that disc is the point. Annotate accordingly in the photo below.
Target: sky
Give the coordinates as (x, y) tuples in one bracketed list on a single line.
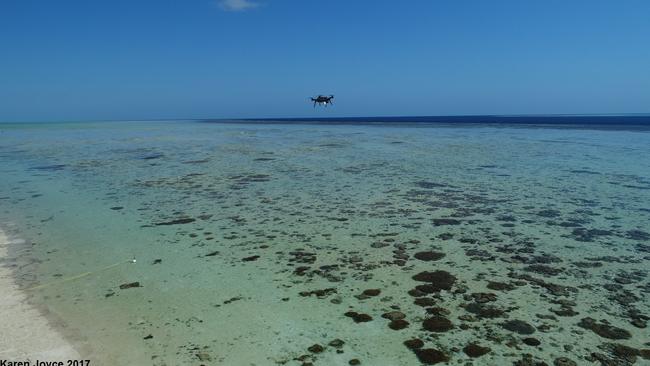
[(165, 59)]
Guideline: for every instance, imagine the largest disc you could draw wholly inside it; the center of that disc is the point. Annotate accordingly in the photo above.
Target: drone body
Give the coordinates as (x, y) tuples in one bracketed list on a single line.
[(323, 100)]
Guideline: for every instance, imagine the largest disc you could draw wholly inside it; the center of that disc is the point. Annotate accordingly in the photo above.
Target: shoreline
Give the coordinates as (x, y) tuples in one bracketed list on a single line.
[(28, 334)]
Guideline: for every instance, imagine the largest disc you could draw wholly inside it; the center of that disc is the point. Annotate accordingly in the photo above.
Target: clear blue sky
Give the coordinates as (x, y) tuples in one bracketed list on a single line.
[(139, 59)]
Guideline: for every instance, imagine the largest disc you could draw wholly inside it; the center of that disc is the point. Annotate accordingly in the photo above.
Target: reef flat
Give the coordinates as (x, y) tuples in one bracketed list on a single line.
[(336, 245)]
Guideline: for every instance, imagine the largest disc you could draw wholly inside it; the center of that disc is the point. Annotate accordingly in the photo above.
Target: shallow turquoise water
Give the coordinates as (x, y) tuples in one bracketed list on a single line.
[(234, 226)]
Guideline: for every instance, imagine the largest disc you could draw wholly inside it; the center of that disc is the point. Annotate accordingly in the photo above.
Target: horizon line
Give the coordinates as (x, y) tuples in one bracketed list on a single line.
[(340, 118)]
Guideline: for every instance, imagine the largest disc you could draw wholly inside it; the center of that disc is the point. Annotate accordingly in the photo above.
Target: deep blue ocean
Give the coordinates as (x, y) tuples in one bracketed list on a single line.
[(623, 121)]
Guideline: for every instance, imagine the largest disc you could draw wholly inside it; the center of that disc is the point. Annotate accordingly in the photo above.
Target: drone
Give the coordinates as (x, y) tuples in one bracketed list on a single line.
[(322, 100)]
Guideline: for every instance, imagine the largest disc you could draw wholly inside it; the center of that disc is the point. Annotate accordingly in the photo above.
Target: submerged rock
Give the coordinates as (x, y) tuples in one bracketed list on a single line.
[(638, 235), (446, 236), (437, 324), (441, 222), (485, 311), (645, 353), (372, 292), (518, 326), (232, 299), (393, 315), (430, 356), (534, 342), (124, 286), (548, 213), (500, 286), (184, 220), (438, 280), (429, 256), (563, 361), (528, 360), (316, 348), (424, 301), (564, 311), (438, 311), (427, 289), (414, 343), (319, 293), (552, 288), (398, 324), (358, 317), (622, 352), (604, 330), (336, 343), (543, 269), (483, 297), (474, 350), (588, 235)]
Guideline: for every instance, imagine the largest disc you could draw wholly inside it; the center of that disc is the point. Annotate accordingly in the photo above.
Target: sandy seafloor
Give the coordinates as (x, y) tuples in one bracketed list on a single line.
[(27, 335), (297, 244)]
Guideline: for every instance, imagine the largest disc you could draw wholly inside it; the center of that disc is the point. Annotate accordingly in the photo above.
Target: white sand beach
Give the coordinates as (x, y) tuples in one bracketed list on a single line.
[(26, 334)]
